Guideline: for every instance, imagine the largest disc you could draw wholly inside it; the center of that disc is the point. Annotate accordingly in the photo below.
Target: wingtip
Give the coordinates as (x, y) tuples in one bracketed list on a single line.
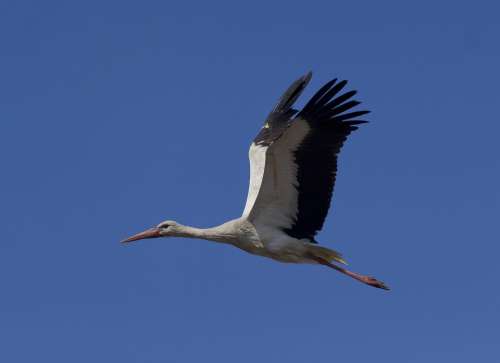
[(307, 77)]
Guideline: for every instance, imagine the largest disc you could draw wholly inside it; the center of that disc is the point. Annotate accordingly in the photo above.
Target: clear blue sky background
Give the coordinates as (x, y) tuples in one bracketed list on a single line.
[(116, 115)]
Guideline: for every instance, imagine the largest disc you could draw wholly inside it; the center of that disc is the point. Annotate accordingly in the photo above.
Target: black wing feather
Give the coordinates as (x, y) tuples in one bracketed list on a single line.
[(318, 95), (280, 117), (316, 157)]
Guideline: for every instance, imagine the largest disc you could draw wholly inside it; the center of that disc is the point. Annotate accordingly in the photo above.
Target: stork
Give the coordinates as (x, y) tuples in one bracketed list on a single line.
[(293, 166)]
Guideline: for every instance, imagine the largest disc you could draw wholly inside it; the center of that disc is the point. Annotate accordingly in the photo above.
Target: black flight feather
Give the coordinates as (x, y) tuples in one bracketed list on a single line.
[(281, 115), (316, 157)]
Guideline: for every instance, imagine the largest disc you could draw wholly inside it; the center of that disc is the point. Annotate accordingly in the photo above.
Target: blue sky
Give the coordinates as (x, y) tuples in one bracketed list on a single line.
[(116, 115)]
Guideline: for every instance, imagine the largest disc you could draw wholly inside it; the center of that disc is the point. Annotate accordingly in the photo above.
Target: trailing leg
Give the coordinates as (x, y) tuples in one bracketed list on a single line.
[(362, 278)]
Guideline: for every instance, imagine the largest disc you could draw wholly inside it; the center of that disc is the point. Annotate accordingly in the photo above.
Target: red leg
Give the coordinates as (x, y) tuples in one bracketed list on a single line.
[(362, 278)]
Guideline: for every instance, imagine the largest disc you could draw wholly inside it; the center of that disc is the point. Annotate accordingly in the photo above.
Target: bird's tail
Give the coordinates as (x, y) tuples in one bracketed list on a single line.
[(326, 253)]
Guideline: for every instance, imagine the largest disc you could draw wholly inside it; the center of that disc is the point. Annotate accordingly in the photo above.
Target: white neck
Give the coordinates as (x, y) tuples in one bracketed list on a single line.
[(217, 234)]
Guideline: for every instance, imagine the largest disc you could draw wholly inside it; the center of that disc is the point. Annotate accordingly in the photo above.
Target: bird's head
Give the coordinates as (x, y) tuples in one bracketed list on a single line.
[(164, 229)]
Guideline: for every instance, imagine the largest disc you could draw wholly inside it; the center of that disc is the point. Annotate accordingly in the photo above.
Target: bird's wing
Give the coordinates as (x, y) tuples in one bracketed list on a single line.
[(293, 160), (277, 122)]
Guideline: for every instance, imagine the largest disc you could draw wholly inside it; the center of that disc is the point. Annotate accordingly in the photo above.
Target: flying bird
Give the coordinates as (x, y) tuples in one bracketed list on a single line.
[(293, 166)]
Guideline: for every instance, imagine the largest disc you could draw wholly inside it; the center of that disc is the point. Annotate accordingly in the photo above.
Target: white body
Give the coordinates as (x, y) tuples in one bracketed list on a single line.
[(258, 239)]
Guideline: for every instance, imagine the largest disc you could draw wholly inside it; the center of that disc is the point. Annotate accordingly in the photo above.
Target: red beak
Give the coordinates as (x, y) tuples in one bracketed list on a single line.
[(148, 233)]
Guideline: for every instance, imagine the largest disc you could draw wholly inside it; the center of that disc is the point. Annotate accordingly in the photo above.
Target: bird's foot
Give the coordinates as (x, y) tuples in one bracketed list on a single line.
[(372, 281)]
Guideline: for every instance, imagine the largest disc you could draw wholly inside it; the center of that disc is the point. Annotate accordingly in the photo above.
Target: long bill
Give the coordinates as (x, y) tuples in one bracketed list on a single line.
[(148, 233)]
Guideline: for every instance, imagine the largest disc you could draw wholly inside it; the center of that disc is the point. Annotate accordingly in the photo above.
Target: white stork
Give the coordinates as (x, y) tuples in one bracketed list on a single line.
[(293, 165)]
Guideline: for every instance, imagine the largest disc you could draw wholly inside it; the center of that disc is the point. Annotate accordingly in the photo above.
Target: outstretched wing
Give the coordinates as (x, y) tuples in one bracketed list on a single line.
[(277, 122), (293, 161)]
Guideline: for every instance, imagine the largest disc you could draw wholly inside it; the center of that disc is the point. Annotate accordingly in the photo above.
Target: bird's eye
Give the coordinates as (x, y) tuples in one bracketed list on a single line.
[(164, 226)]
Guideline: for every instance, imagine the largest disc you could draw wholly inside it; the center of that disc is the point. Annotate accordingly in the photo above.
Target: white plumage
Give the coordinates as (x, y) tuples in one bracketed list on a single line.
[(293, 165)]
